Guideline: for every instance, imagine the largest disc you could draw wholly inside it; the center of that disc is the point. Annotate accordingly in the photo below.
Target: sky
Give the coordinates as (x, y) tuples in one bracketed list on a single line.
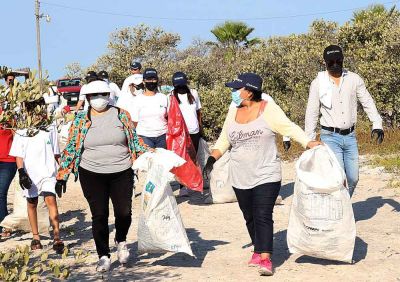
[(75, 34)]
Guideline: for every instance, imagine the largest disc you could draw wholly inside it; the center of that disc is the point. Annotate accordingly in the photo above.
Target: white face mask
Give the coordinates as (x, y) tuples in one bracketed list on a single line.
[(99, 102)]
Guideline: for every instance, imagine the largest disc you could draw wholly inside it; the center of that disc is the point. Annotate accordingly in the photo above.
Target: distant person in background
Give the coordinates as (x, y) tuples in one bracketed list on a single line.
[(90, 76), (136, 86), (190, 106), (115, 91), (135, 68), (334, 95), (150, 112)]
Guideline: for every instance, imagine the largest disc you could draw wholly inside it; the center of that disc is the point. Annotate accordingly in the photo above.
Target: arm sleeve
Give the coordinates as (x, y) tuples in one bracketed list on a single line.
[(18, 147), (368, 104), (222, 143), (82, 97), (280, 123), (54, 139), (135, 110), (312, 111)]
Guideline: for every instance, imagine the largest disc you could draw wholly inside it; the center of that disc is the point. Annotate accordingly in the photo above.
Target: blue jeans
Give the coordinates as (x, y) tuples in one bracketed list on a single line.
[(155, 142), (7, 173), (346, 151)]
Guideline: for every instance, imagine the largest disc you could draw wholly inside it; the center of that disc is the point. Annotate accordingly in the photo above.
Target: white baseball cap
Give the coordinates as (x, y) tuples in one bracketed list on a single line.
[(135, 79), (98, 86)]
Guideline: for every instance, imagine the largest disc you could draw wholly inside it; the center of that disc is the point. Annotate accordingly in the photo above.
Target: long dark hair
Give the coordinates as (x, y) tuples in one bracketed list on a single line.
[(257, 95), (188, 93)]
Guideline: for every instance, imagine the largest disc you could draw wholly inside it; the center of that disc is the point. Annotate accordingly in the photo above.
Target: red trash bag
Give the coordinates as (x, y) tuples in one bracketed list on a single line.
[(178, 140)]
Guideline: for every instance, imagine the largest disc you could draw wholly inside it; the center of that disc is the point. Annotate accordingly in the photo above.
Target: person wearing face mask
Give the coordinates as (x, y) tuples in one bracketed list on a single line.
[(127, 102), (101, 149), (334, 95), (115, 91), (150, 112), (189, 104), (255, 167), (134, 68)]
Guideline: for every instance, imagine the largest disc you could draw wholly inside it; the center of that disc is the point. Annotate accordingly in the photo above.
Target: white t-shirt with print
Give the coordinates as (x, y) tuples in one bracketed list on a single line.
[(189, 111), (150, 113), (39, 162)]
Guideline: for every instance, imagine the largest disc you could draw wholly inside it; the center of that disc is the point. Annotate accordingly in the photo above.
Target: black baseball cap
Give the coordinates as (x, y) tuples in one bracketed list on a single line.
[(150, 73), (332, 53), (248, 79), (179, 78), (136, 65), (91, 75), (103, 74)]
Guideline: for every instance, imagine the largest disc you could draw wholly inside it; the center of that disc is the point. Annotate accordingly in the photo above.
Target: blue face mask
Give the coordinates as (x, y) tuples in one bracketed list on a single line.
[(236, 98)]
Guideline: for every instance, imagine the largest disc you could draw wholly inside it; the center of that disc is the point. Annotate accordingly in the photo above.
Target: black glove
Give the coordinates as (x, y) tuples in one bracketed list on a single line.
[(61, 187), (208, 167), (377, 135), (24, 181), (286, 145)]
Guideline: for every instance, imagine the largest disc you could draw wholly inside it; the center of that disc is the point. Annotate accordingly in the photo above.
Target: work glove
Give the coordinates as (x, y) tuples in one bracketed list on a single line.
[(24, 181), (286, 145), (61, 187), (208, 167), (377, 135)]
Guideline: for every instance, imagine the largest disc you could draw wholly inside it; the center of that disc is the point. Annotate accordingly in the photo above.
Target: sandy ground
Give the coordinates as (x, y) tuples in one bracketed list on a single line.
[(221, 244)]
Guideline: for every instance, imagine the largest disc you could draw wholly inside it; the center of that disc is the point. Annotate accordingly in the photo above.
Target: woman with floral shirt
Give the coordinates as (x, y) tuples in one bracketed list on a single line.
[(101, 148)]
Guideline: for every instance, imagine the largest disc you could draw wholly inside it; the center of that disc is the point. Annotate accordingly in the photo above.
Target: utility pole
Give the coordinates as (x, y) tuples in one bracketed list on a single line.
[(39, 53)]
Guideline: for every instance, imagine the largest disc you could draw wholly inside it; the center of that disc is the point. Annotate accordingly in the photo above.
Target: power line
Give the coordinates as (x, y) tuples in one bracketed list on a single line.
[(208, 19)]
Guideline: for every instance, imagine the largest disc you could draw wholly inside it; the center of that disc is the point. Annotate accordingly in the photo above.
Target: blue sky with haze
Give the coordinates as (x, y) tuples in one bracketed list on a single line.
[(77, 35)]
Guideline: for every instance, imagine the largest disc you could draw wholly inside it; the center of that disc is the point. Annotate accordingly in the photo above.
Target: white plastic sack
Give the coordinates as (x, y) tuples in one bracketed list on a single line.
[(203, 153), (18, 219), (321, 222), (220, 185), (160, 227)]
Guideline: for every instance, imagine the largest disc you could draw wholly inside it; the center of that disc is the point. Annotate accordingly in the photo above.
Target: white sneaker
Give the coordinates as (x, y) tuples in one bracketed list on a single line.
[(183, 192), (104, 264), (122, 252)]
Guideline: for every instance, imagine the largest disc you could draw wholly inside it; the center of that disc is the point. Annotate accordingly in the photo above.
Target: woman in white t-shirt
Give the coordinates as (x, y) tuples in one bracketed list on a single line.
[(189, 104), (150, 112)]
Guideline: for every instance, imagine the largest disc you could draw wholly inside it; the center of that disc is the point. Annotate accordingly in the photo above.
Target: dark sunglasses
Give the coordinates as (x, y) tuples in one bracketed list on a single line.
[(99, 94), (330, 63)]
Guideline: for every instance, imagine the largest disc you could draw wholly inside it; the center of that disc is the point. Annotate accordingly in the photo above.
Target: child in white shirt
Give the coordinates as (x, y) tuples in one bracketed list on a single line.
[(36, 159)]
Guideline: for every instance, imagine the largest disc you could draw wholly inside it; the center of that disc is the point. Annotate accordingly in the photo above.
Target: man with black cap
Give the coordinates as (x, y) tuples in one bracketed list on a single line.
[(90, 76), (135, 68), (334, 95), (115, 91)]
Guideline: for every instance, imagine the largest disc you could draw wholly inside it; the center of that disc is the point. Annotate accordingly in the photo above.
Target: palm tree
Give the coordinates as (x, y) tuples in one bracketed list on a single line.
[(233, 34)]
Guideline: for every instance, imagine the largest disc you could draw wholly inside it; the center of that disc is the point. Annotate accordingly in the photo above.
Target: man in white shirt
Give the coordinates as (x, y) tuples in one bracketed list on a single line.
[(135, 68), (90, 76), (115, 91), (127, 102), (333, 96)]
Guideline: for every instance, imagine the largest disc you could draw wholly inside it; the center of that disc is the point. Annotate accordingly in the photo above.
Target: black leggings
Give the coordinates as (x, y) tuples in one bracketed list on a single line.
[(257, 205), (98, 189)]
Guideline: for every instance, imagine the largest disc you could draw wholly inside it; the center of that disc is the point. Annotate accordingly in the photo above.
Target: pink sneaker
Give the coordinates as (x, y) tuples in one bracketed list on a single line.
[(255, 260), (265, 267)]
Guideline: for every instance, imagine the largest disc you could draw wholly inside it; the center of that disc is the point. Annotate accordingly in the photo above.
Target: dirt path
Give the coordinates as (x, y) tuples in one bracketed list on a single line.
[(220, 241)]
